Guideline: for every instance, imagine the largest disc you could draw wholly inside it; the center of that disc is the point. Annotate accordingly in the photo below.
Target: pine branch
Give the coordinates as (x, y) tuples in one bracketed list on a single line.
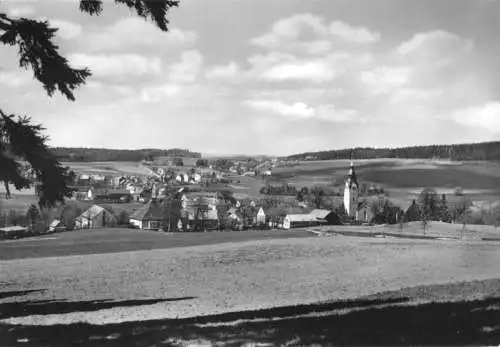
[(38, 52), (148, 9), (25, 141)]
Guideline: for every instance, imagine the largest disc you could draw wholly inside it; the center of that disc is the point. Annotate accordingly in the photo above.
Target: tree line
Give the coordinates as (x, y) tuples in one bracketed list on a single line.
[(474, 151), (70, 154)]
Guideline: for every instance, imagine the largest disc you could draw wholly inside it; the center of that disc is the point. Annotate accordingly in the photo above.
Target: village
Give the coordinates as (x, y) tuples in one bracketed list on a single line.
[(203, 197), (196, 199)]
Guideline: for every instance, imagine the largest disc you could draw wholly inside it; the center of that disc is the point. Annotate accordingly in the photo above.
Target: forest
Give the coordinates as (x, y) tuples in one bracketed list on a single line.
[(458, 152), (68, 154)]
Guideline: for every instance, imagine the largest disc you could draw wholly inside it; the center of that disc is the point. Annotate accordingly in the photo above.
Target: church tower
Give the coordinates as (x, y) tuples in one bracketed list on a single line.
[(351, 192)]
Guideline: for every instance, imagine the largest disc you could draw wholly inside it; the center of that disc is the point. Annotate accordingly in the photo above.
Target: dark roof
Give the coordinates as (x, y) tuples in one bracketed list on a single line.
[(151, 210)]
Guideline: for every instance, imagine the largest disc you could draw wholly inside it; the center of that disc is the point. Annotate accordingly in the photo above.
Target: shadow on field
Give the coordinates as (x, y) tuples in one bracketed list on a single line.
[(45, 307), (360, 322)]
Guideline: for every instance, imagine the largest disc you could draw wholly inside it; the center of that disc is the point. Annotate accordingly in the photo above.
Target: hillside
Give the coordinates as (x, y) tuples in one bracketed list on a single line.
[(476, 151)]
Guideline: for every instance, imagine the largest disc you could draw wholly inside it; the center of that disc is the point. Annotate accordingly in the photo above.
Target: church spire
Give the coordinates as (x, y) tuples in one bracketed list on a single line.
[(351, 178)]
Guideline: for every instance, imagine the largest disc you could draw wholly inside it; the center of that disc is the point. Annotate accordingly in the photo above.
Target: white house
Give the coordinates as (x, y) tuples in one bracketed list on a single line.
[(261, 216)]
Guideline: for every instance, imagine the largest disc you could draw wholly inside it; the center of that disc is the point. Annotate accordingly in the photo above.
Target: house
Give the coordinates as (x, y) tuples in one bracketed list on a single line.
[(56, 226), (260, 217), (327, 217), (82, 193), (112, 195), (274, 217), (148, 217), (299, 221), (196, 177), (364, 213), (198, 218), (94, 217), (13, 232)]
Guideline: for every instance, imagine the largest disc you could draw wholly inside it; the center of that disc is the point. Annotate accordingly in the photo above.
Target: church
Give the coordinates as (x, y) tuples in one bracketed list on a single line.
[(358, 211)]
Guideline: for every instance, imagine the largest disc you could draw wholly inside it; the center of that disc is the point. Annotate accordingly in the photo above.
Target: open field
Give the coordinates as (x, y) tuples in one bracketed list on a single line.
[(111, 168), (308, 290), (112, 240)]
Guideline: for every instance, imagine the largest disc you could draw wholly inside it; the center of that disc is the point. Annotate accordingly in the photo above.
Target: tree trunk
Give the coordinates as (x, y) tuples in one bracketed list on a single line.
[(8, 196)]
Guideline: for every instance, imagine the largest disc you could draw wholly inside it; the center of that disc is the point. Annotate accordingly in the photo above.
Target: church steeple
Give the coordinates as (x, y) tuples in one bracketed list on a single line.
[(351, 177)]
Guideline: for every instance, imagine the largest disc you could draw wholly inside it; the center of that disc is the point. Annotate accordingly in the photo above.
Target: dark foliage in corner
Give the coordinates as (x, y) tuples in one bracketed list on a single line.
[(22, 141)]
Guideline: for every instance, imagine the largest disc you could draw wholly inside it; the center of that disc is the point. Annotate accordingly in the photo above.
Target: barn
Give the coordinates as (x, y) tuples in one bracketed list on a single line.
[(95, 217)]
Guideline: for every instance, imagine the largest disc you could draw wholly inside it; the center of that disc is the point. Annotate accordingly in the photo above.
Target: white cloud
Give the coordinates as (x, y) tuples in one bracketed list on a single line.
[(232, 70), (278, 67), (160, 92), (118, 64), (300, 110), (133, 31), (66, 30), (296, 110), (353, 34), (315, 71), (383, 79), (21, 11), (188, 69), (436, 47), (308, 33), (485, 117)]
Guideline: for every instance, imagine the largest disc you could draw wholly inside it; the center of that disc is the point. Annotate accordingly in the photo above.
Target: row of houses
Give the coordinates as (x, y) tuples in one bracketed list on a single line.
[(206, 216)]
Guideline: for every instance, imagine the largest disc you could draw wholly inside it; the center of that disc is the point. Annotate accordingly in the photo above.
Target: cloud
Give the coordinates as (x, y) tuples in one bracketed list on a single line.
[(188, 68), (485, 117), (296, 110), (117, 65), (353, 34), (436, 47), (279, 67), (383, 79), (21, 11), (300, 110), (66, 30), (308, 33), (229, 71), (132, 32), (160, 92), (315, 71)]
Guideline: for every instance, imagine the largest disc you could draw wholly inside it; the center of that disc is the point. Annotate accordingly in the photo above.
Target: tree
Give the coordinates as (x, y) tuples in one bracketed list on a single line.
[(444, 212), (429, 201), (33, 215), (22, 140), (412, 213)]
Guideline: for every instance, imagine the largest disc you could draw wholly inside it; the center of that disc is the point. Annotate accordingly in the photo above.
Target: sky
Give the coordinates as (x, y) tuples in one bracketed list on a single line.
[(273, 77)]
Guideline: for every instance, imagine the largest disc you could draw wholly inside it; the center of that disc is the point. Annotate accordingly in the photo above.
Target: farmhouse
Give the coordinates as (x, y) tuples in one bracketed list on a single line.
[(198, 218), (148, 217), (326, 217), (363, 212), (96, 216), (13, 232)]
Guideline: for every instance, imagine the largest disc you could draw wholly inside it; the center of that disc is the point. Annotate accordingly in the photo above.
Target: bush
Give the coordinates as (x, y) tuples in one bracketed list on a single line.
[(39, 228)]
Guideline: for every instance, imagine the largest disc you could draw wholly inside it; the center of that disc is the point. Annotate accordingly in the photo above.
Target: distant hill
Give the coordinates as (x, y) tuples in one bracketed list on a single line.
[(475, 151), (71, 154)]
